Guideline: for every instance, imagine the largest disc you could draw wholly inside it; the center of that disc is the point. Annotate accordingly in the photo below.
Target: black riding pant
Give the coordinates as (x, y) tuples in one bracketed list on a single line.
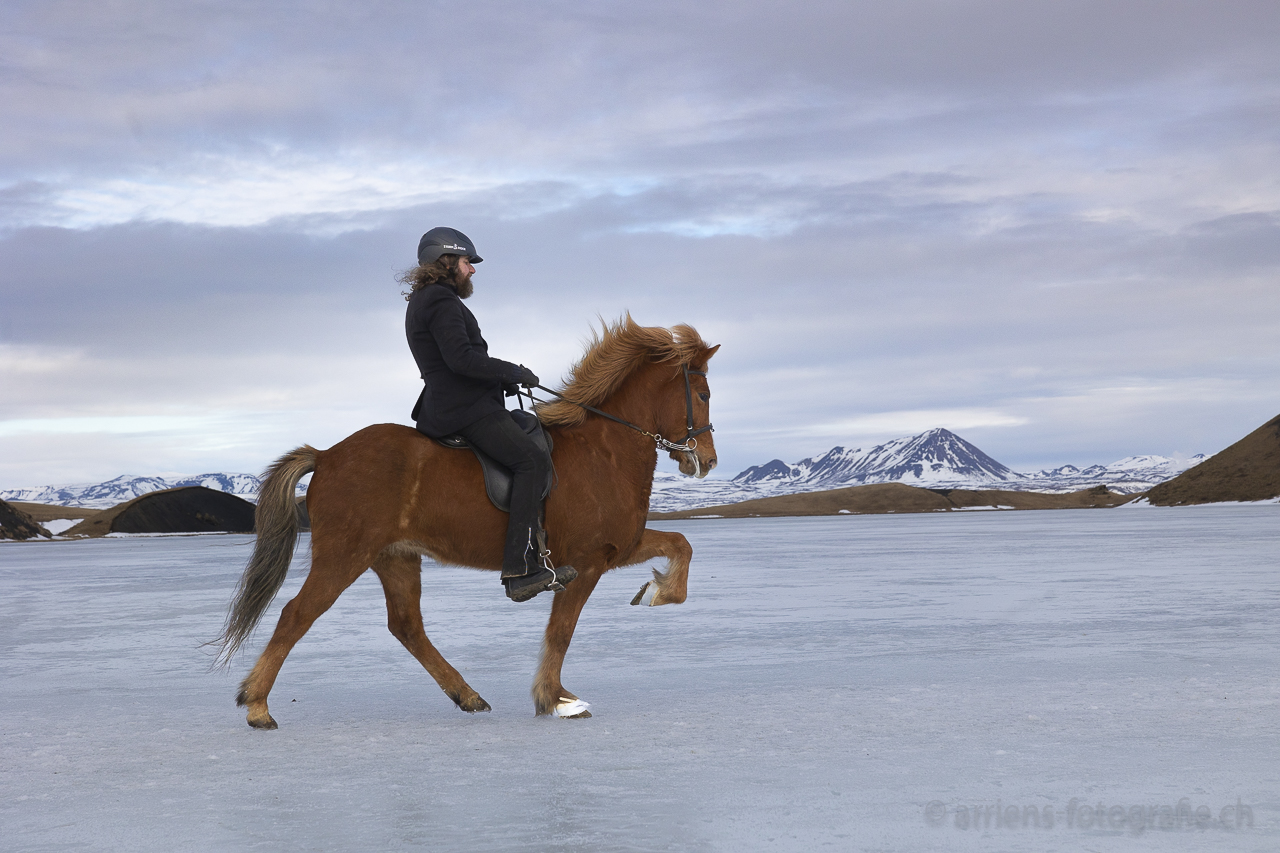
[(498, 436)]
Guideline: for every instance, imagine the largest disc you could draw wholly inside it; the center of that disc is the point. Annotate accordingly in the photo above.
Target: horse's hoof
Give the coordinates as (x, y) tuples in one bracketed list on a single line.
[(265, 725), (646, 594), (572, 709), (474, 704)]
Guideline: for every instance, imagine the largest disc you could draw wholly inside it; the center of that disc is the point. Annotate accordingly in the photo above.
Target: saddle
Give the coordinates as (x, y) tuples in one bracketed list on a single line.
[(497, 477)]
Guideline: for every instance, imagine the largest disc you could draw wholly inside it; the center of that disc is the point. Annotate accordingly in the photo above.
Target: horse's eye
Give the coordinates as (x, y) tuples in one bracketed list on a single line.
[(705, 396)]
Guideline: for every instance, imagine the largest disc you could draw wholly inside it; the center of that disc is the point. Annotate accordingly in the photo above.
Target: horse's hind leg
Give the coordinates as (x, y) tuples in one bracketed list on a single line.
[(401, 578), (671, 586), (325, 582), (565, 609)]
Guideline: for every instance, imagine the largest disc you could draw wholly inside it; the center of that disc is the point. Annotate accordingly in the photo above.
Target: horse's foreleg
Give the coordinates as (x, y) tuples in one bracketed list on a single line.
[(671, 586), (325, 582), (548, 692), (401, 578)]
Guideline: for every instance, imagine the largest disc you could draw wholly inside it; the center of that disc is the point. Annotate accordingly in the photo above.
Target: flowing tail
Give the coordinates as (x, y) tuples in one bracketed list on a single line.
[(276, 521)]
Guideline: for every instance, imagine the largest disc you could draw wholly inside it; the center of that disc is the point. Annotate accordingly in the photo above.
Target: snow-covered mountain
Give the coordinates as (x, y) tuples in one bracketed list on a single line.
[(1127, 476), (937, 458), (125, 488), (95, 495), (941, 459)]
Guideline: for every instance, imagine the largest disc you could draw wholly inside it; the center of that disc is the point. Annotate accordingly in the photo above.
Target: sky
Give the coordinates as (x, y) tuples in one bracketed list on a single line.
[(1053, 228)]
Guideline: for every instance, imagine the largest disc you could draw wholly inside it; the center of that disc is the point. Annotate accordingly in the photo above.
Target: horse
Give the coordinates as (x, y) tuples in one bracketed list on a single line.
[(385, 496)]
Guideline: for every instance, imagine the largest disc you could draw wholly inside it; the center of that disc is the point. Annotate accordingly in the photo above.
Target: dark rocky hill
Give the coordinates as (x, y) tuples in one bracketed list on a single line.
[(16, 524), (1248, 470), (190, 509)]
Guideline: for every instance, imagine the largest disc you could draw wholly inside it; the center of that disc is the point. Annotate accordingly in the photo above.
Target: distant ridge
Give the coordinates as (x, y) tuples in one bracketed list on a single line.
[(126, 488), (1248, 470), (936, 459), (900, 498)]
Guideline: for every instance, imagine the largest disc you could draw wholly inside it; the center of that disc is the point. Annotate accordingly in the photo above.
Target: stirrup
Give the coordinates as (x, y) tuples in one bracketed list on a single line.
[(545, 579), (560, 576)]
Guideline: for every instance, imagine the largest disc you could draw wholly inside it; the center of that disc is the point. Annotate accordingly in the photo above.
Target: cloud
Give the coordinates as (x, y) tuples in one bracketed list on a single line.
[(910, 423), (122, 424)]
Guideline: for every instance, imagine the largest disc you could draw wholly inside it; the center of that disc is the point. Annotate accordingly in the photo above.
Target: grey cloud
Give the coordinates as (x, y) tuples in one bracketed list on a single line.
[(133, 82), (22, 202), (865, 257)]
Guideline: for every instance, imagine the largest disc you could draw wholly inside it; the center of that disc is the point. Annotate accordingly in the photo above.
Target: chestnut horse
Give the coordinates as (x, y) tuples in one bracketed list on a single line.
[(387, 495)]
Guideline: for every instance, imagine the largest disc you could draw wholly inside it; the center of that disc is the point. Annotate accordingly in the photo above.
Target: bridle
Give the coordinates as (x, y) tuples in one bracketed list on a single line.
[(687, 444)]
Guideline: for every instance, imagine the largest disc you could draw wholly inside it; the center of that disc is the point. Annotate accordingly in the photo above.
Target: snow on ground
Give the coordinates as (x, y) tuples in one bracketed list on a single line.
[(1143, 503), (841, 683), (58, 525)]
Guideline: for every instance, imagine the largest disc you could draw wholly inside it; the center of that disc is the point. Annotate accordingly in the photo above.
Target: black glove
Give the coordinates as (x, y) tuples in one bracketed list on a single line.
[(528, 378), (510, 389)]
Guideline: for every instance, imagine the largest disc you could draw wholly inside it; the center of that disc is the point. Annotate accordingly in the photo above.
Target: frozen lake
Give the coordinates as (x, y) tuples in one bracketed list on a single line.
[(879, 683)]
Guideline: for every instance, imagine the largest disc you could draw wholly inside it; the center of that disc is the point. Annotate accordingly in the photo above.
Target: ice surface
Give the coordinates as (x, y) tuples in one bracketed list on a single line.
[(830, 684)]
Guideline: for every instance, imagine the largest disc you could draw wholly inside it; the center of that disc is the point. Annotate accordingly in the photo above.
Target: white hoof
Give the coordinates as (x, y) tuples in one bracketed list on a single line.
[(570, 708), (646, 594)]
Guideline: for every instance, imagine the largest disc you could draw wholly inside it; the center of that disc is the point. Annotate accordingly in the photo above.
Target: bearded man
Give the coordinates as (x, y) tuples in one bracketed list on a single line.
[(463, 394)]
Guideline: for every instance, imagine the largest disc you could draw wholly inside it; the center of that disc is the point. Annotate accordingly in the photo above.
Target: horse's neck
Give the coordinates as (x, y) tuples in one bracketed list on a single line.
[(631, 454), (639, 399)]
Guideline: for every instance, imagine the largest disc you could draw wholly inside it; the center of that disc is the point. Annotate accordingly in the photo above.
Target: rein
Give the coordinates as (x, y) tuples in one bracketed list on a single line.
[(688, 443)]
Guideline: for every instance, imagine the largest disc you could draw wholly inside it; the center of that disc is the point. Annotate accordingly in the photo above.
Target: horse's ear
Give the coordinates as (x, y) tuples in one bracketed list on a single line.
[(712, 351)]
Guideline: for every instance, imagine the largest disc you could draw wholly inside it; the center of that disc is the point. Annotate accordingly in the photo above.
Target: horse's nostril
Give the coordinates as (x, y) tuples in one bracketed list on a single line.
[(711, 463)]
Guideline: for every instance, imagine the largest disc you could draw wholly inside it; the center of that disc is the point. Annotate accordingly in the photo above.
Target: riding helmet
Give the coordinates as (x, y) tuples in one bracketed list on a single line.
[(445, 241)]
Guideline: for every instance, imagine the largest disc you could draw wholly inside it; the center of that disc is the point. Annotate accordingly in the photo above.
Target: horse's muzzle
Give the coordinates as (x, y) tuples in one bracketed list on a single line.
[(693, 464)]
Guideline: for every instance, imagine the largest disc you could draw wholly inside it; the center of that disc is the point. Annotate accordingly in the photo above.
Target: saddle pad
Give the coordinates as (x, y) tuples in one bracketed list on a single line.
[(497, 477)]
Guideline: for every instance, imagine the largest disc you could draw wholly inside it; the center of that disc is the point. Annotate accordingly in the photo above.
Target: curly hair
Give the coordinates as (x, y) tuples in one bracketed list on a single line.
[(440, 271)]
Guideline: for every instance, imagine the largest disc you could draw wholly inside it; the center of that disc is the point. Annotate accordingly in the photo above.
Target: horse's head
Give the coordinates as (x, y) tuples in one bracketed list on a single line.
[(694, 409), (650, 379)]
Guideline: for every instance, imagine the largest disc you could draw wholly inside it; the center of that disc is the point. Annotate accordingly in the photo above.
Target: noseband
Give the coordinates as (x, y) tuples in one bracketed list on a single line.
[(686, 445)]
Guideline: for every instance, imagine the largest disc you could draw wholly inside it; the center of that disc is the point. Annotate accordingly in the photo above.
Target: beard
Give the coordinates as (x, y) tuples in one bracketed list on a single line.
[(464, 287)]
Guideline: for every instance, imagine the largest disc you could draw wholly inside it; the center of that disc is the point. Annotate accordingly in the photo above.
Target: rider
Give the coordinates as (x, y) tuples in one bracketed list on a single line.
[(462, 394)]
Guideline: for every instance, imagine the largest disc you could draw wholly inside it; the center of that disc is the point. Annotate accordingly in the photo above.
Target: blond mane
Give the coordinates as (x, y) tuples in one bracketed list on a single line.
[(614, 352)]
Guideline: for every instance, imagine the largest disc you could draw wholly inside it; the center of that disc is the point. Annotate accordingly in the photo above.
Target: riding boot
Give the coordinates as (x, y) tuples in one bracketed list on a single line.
[(531, 572), (522, 553), (526, 562)]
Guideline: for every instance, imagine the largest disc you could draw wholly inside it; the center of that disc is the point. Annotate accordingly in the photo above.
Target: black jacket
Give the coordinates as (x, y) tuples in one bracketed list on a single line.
[(461, 382)]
